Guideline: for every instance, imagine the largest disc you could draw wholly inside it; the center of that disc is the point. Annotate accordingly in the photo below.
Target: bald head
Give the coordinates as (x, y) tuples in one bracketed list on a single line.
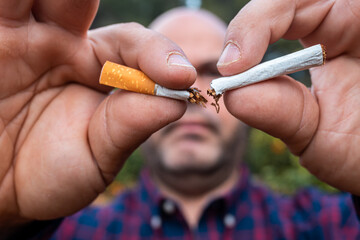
[(194, 31), (185, 16)]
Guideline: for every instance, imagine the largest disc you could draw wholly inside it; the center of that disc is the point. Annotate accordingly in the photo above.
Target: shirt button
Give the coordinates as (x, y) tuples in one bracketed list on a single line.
[(229, 220), (168, 207), (155, 222)]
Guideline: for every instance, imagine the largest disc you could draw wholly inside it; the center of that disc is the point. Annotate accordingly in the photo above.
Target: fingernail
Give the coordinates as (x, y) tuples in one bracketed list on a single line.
[(230, 54), (177, 59)]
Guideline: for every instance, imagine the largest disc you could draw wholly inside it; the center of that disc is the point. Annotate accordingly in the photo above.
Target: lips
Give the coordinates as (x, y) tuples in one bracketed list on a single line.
[(192, 129)]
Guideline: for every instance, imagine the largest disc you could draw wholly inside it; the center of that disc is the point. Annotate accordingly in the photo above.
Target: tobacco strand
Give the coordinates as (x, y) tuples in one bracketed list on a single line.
[(196, 97), (216, 97)]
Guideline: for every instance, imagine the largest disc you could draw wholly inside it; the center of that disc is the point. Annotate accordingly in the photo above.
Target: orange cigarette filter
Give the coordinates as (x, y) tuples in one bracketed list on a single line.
[(130, 79), (126, 78)]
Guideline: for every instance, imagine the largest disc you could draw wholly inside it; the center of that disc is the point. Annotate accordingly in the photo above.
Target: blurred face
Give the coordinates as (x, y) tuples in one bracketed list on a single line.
[(198, 140)]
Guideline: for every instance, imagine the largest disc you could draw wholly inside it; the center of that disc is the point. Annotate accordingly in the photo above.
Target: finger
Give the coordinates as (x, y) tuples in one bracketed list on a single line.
[(282, 107), (125, 120), (248, 38), (335, 144), (73, 15), (339, 35), (15, 9), (137, 47)]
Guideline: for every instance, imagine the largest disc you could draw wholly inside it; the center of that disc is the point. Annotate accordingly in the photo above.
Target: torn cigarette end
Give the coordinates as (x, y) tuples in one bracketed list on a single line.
[(196, 97), (297, 61), (324, 53), (216, 97), (126, 78)]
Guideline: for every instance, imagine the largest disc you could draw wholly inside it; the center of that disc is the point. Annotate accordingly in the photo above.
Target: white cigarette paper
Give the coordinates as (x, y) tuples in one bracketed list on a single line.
[(297, 61), (170, 93)]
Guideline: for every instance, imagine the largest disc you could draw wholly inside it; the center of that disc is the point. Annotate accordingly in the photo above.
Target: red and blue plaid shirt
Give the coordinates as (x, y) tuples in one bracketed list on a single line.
[(249, 211)]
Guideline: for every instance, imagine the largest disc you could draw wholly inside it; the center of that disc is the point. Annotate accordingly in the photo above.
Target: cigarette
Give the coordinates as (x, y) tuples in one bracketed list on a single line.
[(297, 61), (126, 78)]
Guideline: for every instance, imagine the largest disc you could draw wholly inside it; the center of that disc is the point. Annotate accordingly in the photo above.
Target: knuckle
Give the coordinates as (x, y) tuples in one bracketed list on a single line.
[(132, 26)]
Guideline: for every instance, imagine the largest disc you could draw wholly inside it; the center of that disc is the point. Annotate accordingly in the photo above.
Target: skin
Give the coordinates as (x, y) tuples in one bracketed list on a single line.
[(195, 148), (62, 139), (52, 165), (321, 125)]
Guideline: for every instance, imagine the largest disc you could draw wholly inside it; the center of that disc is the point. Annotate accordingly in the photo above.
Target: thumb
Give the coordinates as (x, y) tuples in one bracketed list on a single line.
[(282, 107), (123, 121)]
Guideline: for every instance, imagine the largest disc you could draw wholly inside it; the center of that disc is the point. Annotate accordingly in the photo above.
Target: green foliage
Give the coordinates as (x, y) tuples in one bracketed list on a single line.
[(143, 12), (115, 11), (271, 162), (225, 9), (131, 169)]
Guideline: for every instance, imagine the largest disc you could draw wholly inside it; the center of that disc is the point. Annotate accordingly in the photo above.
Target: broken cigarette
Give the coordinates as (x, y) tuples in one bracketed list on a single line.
[(297, 61), (130, 79)]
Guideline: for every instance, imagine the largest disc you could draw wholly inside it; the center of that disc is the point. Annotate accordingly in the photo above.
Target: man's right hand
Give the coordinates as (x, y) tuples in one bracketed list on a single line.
[(62, 138)]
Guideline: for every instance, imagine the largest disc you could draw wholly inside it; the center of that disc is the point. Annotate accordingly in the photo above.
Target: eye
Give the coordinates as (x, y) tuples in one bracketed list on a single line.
[(212, 73), (209, 70)]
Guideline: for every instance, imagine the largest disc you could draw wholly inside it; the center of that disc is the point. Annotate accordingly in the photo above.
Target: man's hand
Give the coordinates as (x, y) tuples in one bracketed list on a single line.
[(322, 126), (62, 139)]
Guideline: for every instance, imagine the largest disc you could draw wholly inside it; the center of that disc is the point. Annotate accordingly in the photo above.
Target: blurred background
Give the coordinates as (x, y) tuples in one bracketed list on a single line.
[(268, 158)]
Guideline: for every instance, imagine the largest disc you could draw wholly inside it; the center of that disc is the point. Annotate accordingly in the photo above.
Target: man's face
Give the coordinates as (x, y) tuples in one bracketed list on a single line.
[(196, 141)]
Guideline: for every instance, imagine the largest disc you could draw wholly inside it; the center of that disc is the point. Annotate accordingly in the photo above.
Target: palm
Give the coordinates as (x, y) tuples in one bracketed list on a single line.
[(336, 87), (335, 143), (62, 138), (321, 127), (45, 118)]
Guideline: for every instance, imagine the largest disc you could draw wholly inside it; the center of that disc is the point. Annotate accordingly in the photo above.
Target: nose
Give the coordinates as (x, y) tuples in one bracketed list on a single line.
[(197, 84), (202, 84)]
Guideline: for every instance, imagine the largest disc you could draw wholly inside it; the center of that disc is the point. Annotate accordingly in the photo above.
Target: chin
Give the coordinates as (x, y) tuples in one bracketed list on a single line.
[(188, 153)]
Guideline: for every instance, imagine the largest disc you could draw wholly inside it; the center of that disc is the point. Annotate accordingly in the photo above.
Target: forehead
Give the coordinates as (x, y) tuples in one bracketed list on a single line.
[(201, 36)]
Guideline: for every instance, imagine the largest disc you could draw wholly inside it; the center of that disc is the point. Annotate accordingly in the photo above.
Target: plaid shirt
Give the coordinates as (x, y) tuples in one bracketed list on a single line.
[(249, 211)]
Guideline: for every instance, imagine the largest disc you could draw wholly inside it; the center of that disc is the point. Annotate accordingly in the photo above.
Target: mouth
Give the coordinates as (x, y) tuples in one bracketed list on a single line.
[(192, 130)]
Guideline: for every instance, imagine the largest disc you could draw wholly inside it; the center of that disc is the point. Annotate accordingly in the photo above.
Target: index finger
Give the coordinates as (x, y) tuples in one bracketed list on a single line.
[(15, 9), (263, 22)]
